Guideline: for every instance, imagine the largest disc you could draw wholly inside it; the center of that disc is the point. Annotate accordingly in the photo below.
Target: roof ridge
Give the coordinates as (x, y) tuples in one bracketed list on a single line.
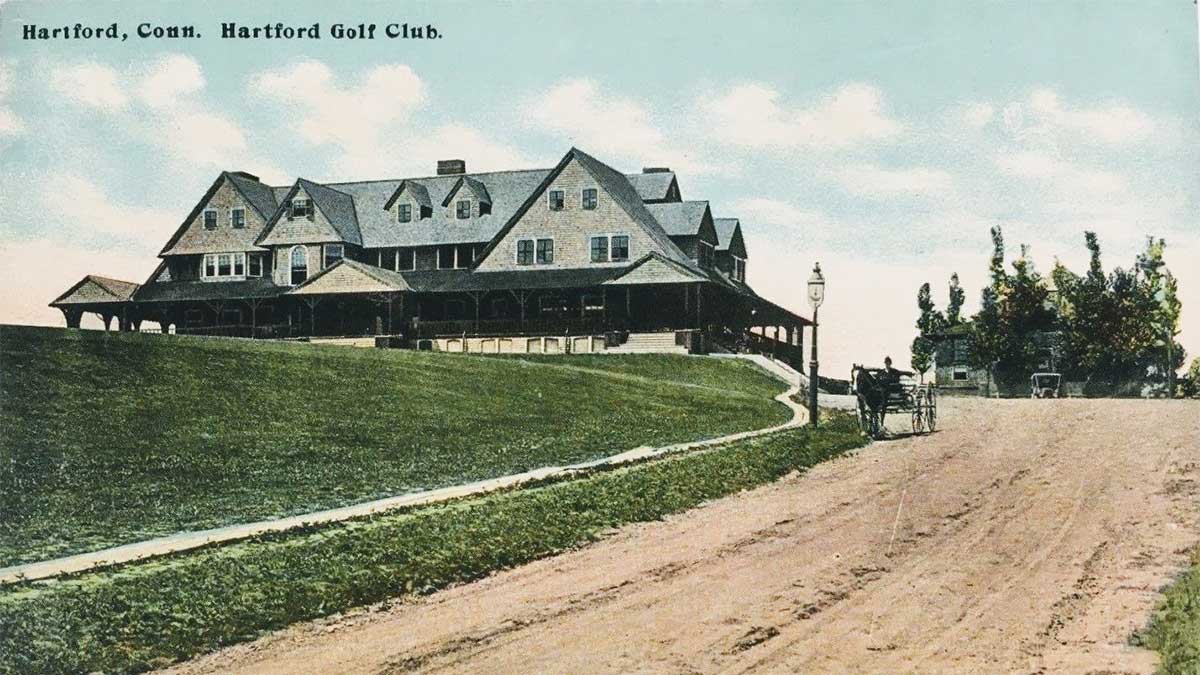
[(430, 177)]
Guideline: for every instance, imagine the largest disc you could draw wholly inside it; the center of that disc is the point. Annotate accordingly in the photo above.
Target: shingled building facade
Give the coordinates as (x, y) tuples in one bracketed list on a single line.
[(580, 255)]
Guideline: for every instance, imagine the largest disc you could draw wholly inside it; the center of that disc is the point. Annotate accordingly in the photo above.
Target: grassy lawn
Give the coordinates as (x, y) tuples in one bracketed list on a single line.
[(1174, 631), (107, 439), (148, 615)]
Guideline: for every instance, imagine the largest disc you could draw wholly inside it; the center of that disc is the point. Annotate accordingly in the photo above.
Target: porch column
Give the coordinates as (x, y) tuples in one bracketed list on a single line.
[(72, 316), (775, 344), (164, 326), (107, 321)]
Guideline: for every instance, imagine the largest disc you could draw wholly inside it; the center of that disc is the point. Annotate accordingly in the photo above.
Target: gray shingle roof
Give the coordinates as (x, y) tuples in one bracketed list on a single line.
[(207, 290), (338, 208), (100, 290), (652, 186), (261, 197), (507, 190), (725, 229), (419, 192), (352, 276), (680, 218)]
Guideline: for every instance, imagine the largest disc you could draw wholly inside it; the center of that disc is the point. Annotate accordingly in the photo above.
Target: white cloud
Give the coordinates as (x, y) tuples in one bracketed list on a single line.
[(607, 124), (976, 115), (78, 201), (1064, 175), (1044, 114), (368, 121), (753, 116), (171, 78), (10, 124), (876, 182), (90, 83)]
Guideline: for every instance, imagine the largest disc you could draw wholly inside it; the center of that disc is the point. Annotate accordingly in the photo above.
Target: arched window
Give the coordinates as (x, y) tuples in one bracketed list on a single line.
[(299, 265)]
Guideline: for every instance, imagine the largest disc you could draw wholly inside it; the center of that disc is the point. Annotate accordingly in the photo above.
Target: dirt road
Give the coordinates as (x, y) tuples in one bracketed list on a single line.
[(1026, 536)]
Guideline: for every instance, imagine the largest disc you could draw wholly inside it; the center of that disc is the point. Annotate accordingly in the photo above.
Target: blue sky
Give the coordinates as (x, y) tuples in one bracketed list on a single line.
[(881, 138)]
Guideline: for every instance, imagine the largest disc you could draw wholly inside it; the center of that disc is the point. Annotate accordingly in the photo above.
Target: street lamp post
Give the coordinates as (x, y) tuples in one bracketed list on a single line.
[(816, 295)]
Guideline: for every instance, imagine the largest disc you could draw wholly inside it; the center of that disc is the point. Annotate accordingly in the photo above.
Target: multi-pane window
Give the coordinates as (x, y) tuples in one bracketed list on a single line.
[(217, 265), (739, 269), (406, 259), (599, 249), (545, 251), (404, 213), (334, 253), (556, 200), (620, 248), (462, 209), (464, 254), (525, 252), (210, 219), (445, 257), (237, 217), (299, 265), (256, 265), (589, 198), (301, 208)]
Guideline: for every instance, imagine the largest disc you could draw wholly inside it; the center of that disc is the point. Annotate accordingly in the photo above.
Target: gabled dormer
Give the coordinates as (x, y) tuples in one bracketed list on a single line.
[(690, 225), (230, 216), (468, 198), (656, 185), (313, 213), (731, 253), (409, 203)]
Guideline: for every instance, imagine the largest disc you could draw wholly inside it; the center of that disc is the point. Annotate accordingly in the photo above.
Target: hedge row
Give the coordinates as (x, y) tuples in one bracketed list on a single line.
[(1175, 629), (144, 616)]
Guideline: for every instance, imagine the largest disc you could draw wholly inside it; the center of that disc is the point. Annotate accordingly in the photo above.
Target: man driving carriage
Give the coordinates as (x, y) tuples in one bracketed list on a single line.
[(889, 377)]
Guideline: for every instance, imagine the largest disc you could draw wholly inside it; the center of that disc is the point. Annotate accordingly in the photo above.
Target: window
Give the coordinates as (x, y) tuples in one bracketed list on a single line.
[(256, 266), (237, 217), (210, 219), (404, 213), (299, 265), (445, 257), (739, 269), (545, 251), (301, 208), (552, 304), (556, 200), (333, 253), (462, 209), (464, 254), (620, 248), (960, 374), (406, 259), (218, 265), (231, 317), (386, 258), (599, 249), (525, 252), (193, 317), (589, 199), (704, 251)]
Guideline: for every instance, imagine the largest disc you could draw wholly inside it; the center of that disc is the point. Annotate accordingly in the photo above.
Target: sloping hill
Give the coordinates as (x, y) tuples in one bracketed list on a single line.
[(112, 438)]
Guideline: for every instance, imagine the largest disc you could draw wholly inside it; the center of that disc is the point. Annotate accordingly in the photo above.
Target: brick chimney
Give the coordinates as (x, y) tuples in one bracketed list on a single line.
[(451, 167), (656, 169)]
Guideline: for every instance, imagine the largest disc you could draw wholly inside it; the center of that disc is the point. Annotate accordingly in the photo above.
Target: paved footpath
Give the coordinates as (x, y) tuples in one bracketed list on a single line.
[(184, 541)]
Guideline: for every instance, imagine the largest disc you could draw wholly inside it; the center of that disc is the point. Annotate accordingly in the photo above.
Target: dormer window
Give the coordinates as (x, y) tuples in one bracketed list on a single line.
[(739, 269), (404, 213), (556, 200), (462, 209), (301, 208), (704, 251), (210, 219), (334, 253), (237, 217), (589, 199)]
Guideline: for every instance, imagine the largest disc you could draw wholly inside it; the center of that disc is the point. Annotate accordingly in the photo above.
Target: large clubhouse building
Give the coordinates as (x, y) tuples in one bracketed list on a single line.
[(579, 257)]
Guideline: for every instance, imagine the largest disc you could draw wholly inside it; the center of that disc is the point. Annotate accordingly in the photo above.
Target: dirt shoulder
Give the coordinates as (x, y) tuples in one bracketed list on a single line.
[(1026, 536)]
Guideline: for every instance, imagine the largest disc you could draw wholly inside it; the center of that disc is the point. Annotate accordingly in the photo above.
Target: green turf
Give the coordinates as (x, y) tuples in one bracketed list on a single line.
[(146, 615), (1174, 631), (107, 439)]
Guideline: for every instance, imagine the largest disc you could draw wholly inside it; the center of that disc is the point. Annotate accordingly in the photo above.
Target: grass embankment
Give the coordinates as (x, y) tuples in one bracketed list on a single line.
[(107, 439), (151, 614), (1174, 631)]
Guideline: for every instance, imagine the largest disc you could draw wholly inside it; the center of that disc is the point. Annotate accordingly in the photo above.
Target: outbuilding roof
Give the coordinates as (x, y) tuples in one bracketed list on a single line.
[(96, 290)]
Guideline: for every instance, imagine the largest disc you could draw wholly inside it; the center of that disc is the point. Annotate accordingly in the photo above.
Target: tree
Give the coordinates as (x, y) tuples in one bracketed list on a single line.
[(957, 297), (1191, 381), (929, 321)]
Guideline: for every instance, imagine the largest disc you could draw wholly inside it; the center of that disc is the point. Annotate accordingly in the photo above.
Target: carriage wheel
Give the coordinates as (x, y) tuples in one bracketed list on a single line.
[(918, 421)]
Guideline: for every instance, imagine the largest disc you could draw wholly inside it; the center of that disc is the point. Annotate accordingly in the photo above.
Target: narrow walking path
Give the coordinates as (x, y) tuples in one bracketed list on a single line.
[(184, 541)]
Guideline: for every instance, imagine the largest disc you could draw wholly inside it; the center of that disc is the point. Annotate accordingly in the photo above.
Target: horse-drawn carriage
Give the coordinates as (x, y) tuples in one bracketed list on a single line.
[(880, 391)]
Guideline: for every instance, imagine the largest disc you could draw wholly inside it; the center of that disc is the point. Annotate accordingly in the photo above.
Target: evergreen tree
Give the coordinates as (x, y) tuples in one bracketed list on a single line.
[(929, 321), (957, 297)]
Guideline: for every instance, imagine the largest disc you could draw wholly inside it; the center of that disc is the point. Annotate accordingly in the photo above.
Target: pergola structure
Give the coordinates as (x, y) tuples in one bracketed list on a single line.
[(105, 297)]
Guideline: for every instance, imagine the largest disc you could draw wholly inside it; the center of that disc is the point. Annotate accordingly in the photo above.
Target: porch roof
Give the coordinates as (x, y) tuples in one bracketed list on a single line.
[(657, 269), (350, 276), (96, 290), (176, 291), (532, 279)]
